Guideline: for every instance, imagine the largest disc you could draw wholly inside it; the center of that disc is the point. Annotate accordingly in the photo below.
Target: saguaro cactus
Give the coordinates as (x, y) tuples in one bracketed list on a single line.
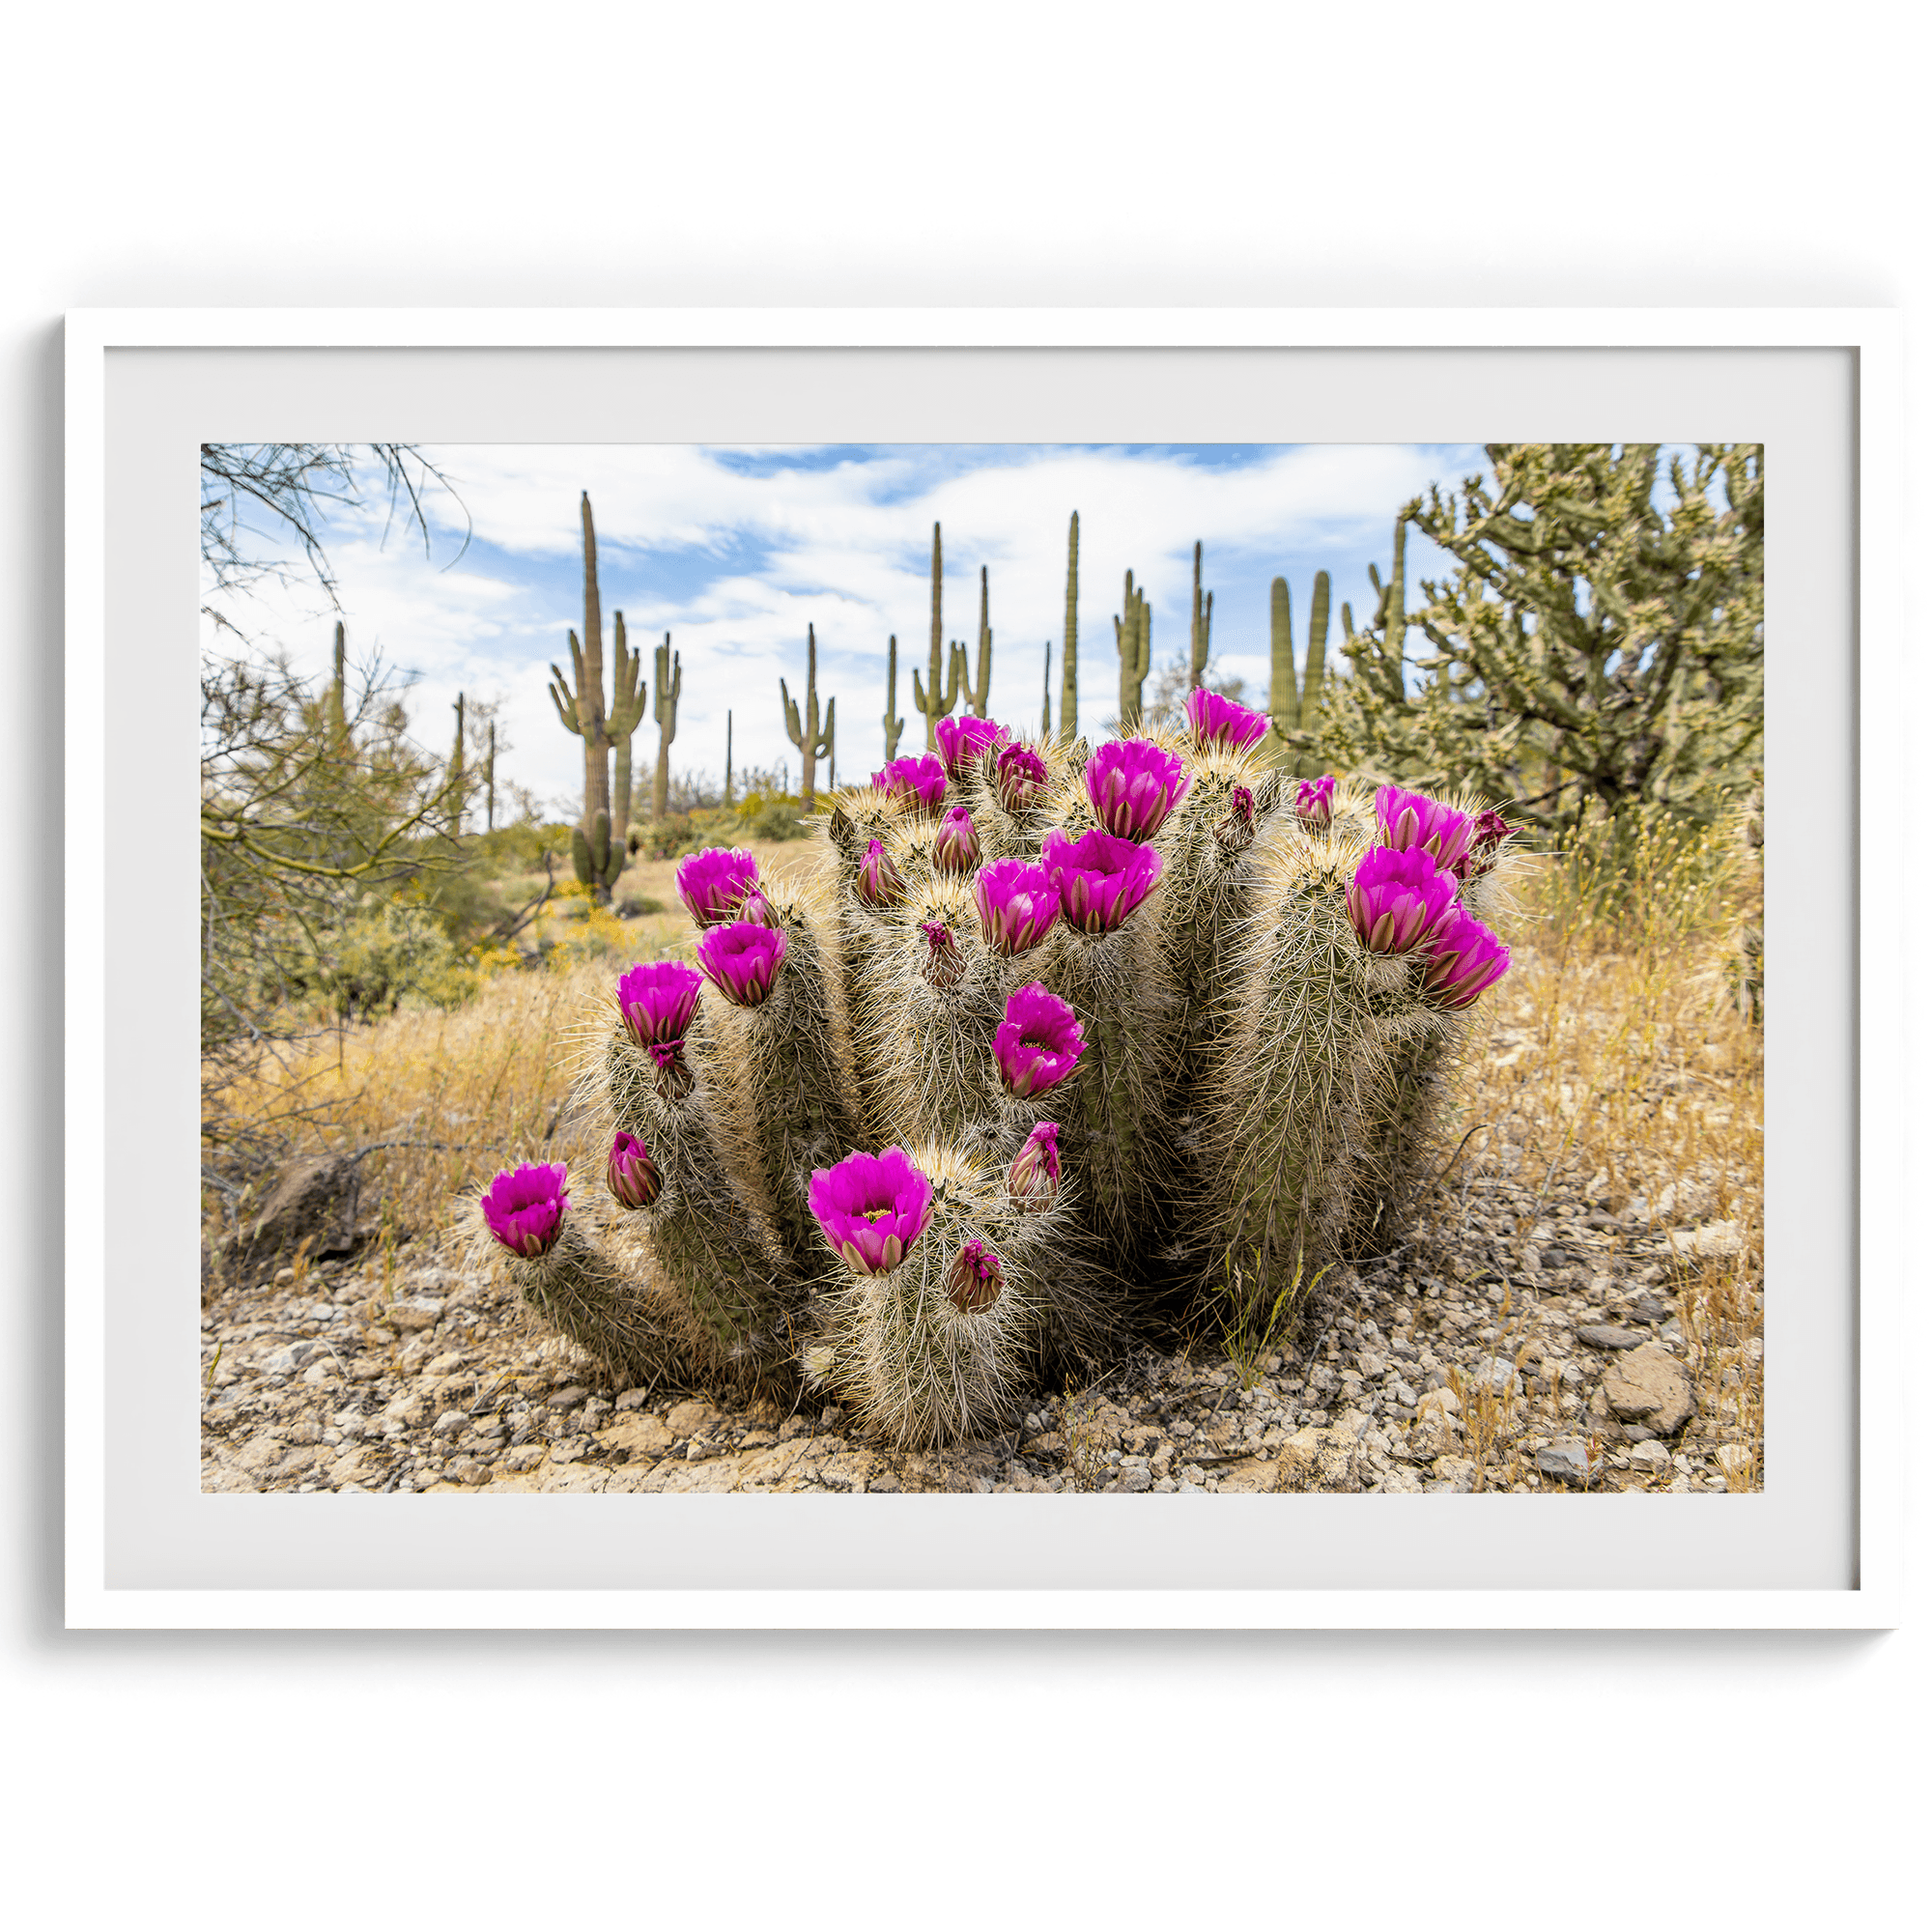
[(926, 698), (1391, 619), (805, 732), (727, 758), (1204, 619), (627, 713), (670, 688), (582, 710), (490, 781), (335, 708), (1046, 696), (457, 776), (1133, 638), (894, 724), (1294, 712), (1069, 661), (979, 690)]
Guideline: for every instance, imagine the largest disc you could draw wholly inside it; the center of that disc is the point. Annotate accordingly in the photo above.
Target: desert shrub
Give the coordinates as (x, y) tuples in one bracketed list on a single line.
[(638, 906)]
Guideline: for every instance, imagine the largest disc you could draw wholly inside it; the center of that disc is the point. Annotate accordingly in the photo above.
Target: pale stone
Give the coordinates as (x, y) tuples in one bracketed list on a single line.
[(641, 1435), (1649, 1387)]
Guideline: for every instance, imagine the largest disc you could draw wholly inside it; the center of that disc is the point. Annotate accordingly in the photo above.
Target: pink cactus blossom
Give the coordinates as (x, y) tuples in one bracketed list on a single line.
[(1399, 899), (1039, 1042), (1032, 1182), (658, 1000), (1100, 878), (956, 848), (742, 960), (712, 883), (879, 882), (1134, 784), (631, 1172), (964, 741), (1314, 800), (1018, 904), (1465, 959), (945, 966), (871, 1208), (1020, 778), (1412, 820), (524, 1209), (921, 782), (974, 1279), (1219, 722)]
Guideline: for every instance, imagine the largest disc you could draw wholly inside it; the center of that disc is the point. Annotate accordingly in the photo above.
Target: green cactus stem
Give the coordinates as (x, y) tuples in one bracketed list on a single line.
[(727, 760), (490, 781), (670, 688), (596, 857), (1283, 695), (1204, 619), (979, 690), (627, 712), (1391, 620), (1069, 658), (458, 778), (1294, 710), (335, 705), (803, 728), (1133, 640), (580, 708), (926, 698), (894, 724), (604, 1303), (1046, 696)]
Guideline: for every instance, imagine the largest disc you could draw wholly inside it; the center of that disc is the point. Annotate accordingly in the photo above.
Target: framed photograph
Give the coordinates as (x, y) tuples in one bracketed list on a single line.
[(983, 968)]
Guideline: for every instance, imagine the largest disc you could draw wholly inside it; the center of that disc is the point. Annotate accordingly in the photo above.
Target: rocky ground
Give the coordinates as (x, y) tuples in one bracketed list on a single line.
[(1510, 1346)]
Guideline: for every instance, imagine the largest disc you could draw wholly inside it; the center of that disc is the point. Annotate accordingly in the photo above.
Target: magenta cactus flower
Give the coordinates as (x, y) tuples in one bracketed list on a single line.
[(1134, 784), (712, 883), (658, 1000), (879, 882), (524, 1209), (1020, 778), (1039, 1042), (1398, 899), (1465, 959), (1491, 829), (921, 782), (945, 966), (1235, 829), (742, 960), (631, 1172), (956, 847), (1219, 722), (965, 741), (1032, 1182), (1100, 878), (1411, 819), (974, 1279), (1314, 800), (872, 1208), (1018, 904)]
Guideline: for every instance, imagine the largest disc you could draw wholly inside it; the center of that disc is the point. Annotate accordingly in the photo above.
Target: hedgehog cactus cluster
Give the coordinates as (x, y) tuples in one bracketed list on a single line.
[(1051, 1035)]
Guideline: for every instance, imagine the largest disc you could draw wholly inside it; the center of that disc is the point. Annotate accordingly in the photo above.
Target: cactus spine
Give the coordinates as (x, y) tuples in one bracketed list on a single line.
[(1204, 619), (1133, 638), (978, 691), (926, 698), (627, 712), (804, 730), (1069, 660), (582, 710), (670, 688), (894, 724)]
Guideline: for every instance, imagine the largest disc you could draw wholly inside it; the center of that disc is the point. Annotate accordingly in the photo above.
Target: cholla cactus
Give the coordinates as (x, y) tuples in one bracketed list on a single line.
[(1086, 1020)]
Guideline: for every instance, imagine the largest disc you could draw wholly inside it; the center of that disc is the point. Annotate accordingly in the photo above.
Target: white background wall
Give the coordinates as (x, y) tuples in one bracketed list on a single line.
[(1680, 153)]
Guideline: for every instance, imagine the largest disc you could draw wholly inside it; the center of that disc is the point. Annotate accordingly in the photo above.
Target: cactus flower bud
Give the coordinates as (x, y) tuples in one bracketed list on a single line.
[(1491, 829), (742, 960), (524, 1209), (1314, 800), (944, 966), (1037, 1044), (1020, 778), (1235, 832), (1034, 1178), (1134, 784), (1101, 879), (674, 1079), (964, 741), (1018, 904), (1219, 722), (1410, 820), (974, 1279), (1398, 899), (1465, 959), (712, 883), (956, 847), (879, 882), (631, 1172), (871, 1208), (919, 781)]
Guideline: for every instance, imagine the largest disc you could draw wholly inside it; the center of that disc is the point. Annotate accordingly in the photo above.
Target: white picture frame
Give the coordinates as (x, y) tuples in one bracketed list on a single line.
[(131, 1563)]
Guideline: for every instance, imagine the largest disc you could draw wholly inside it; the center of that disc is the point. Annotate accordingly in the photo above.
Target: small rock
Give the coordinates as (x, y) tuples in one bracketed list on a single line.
[(523, 1457), (568, 1398), (1649, 1387), (1568, 1458), (466, 1470), (1652, 1456), (1719, 1240), (1607, 1337), (691, 1418), (1734, 1460), (449, 1422), (1134, 1480), (643, 1437), (413, 1316), (1455, 1475), (1649, 1309), (633, 1399)]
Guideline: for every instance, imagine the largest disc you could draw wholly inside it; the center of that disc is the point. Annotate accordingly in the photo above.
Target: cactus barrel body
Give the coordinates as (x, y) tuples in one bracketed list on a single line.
[(600, 1299)]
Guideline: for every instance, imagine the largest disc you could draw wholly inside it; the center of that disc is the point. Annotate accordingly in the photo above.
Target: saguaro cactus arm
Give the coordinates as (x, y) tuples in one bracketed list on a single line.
[(1204, 619), (804, 730), (979, 690), (670, 688), (1133, 640), (628, 693)]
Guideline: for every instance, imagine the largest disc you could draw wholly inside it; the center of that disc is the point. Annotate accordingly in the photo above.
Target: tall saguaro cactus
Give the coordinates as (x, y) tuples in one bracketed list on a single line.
[(926, 698), (337, 704), (457, 776), (627, 713), (1133, 638), (490, 781), (812, 741), (727, 760), (1069, 661), (1204, 619), (893, 723), (1391, 619), (979, 690), (670, 688), (1046, 696), (582, 710), (1294, 711)]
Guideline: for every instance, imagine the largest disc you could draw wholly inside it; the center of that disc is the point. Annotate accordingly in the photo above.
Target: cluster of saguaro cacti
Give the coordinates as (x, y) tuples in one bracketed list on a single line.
[(1055, 1042)]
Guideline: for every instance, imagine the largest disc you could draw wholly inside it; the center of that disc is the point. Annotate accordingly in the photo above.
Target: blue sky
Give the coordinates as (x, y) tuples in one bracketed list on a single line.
[(735, 549)]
